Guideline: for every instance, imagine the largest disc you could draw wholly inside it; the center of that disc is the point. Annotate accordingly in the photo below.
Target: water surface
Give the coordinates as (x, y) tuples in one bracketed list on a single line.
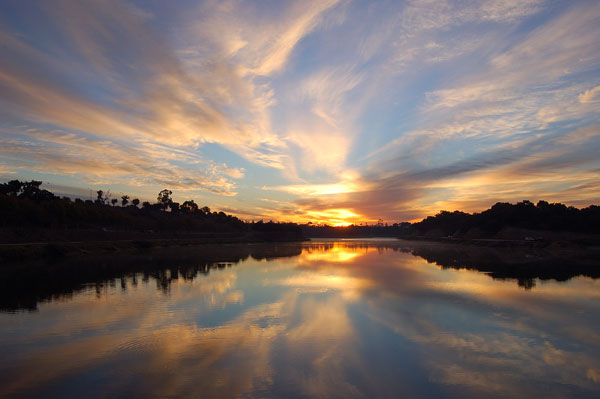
[(323, 319)]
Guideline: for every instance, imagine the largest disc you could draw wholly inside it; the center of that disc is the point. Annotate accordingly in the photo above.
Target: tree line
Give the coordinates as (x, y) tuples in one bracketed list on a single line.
[(544, 216), (25, 206), (375, 230), (523, 215)]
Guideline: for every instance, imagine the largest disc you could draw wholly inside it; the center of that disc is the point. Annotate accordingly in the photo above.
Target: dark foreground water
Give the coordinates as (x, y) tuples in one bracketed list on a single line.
[(324, 319)]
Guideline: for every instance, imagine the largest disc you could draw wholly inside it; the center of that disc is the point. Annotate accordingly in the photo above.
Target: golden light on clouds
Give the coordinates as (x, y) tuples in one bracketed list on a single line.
[(344, 116), (335, 217)]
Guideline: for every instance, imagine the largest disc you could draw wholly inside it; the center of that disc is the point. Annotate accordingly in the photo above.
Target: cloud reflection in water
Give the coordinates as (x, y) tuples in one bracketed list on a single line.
[(351, 319)]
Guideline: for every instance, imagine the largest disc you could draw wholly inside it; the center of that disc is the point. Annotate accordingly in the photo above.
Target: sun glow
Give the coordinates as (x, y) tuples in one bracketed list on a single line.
[(335, 217)]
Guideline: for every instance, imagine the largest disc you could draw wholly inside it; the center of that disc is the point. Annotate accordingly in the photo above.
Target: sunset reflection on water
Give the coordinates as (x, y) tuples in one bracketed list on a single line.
[(342, 319)]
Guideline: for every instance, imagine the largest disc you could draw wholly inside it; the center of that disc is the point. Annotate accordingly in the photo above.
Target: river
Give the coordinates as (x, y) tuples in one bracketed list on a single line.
[(327, 319)]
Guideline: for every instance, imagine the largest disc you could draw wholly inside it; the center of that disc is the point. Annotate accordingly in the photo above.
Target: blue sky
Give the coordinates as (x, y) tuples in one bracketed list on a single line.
[(325, 111)]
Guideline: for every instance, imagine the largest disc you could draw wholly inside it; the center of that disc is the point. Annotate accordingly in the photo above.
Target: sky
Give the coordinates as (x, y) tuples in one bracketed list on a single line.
[(328, 111)]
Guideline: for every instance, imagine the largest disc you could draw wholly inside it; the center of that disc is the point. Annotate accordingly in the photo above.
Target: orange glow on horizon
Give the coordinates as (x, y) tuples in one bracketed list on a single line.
[(335, 217), (332, 217)]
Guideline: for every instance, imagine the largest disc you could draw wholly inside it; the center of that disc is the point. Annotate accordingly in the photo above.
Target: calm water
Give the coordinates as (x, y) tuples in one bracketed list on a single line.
[(324, 319)]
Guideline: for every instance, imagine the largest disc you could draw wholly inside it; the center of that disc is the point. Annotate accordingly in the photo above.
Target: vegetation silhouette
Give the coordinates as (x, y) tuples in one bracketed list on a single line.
[(354, 231), (544, 216), (29, 214), (502, 221), (27, 210)]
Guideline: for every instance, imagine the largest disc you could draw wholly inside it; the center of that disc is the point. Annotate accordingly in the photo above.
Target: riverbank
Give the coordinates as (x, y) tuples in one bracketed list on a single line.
[(55, 250), (37, 279), (514, 237)]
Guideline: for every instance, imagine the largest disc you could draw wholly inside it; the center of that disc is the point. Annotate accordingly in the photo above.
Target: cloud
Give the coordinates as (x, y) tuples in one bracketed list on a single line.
[(225, 37), (304, 18), (590, 96), (445, 98), (146, 89), (561, 168), (102, 161), (525, 113)]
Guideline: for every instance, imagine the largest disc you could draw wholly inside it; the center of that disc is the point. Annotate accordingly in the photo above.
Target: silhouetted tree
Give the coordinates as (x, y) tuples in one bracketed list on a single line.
[(13, 187), (114, 201), (100, 197), (164, 198), (189, 207), (29, 189), (28, 207), (124, 200)]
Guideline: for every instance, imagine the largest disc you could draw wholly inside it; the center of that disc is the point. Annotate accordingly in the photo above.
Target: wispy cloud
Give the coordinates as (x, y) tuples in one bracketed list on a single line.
[(105, 162), (527, 101), (430, 105), (131, 104)]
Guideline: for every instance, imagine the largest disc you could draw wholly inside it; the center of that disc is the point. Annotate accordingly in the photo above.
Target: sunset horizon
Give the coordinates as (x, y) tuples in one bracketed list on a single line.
[(300, 199)]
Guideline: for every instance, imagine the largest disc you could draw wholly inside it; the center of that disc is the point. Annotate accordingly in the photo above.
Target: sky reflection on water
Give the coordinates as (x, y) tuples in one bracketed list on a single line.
[(342, 319)]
